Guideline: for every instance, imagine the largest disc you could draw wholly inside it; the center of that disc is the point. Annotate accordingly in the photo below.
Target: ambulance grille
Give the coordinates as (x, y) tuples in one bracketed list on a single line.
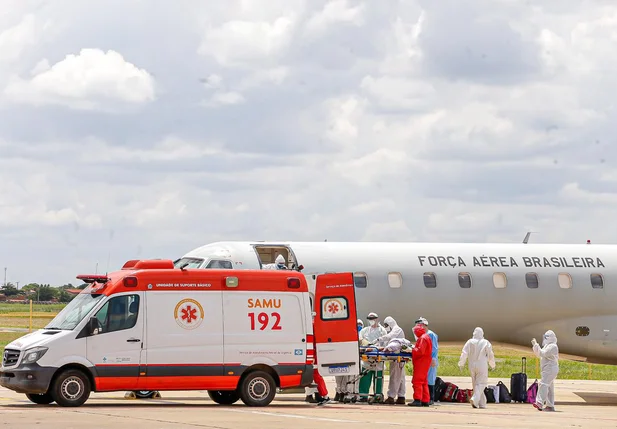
[(10, 357)]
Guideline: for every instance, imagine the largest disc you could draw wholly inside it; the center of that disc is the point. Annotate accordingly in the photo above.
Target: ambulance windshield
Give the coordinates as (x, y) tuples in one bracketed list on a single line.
[(75, 311), (188, 263)]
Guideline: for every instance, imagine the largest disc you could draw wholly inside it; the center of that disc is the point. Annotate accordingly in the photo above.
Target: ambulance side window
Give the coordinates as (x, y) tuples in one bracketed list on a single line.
[(118, 313), (334, 308)]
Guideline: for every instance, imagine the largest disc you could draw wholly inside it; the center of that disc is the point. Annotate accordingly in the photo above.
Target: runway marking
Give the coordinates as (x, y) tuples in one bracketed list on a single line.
[(294, 416)]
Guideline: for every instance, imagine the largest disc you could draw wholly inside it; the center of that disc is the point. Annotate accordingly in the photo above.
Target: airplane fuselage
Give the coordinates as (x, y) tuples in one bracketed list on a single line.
[(515, 292)]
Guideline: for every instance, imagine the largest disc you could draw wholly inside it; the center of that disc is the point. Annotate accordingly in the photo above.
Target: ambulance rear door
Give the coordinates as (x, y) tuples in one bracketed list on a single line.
[(336, 334)]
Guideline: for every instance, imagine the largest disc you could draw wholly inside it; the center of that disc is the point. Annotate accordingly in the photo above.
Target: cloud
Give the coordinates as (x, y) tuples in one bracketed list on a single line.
[(90, 80), (137, 131)]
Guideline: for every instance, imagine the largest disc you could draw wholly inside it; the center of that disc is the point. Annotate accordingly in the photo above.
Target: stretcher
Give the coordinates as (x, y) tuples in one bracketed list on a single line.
[(372, 355)]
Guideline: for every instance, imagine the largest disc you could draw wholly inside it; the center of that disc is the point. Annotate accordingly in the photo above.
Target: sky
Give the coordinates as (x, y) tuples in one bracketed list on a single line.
[(146, 128)]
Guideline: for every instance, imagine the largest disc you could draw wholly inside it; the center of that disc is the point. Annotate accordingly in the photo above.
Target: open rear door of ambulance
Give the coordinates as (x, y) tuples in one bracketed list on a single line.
[(336, 333)]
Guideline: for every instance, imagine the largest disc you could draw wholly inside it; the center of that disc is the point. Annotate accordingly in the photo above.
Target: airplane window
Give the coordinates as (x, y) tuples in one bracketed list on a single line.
[(360, 280), (395, 280), (597, 282), (500, 280), (220, 264), (464, 280), (532, 280), (430, 280), (565, 281)]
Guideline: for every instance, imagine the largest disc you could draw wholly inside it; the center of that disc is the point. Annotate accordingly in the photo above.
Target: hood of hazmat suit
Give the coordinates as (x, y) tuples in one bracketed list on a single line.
[(394, 331), (280, 262)]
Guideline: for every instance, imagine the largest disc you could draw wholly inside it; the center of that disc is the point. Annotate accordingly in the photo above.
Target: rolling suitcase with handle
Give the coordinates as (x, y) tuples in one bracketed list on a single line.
[(518, 384)]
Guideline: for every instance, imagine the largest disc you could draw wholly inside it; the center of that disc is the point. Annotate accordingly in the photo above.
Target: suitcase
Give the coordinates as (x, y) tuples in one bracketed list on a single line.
[(518, 384)]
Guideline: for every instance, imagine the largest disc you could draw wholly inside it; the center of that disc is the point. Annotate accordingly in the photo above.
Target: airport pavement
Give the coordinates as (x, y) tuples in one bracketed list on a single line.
[(580, 404)]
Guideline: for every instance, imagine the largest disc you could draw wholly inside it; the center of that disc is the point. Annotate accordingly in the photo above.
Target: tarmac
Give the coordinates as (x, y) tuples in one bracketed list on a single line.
[(579, 404)]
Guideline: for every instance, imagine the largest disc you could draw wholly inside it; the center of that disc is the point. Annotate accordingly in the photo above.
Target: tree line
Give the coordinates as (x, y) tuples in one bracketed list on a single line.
[(40, 292)]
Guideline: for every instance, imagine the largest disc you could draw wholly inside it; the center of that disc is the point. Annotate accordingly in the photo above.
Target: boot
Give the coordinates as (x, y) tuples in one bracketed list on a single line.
[(310, 399), (415, 403), (425, 404), (389, 401), (338, 397), (400, 400), (318, 397)]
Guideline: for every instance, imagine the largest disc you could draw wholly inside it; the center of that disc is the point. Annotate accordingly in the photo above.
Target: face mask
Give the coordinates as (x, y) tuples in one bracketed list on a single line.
[(373, 322)]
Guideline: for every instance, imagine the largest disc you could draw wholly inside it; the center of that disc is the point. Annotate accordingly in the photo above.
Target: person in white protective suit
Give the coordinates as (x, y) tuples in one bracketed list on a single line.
[(549, 366), (279, 264), (370, 335), (396, 385), (479, 352)]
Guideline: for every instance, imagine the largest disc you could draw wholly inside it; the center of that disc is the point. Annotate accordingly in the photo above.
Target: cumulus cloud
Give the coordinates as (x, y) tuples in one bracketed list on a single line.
[(300, 120), (90, 80)]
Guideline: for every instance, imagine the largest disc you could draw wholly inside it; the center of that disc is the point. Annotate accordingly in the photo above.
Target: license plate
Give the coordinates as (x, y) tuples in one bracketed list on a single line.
[(338, 369)]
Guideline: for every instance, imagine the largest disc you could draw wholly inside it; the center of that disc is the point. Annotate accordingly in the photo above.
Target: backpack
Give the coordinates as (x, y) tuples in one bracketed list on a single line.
[(450, 393), (440, 388), (490, 395), (504, 393), (532, 392)]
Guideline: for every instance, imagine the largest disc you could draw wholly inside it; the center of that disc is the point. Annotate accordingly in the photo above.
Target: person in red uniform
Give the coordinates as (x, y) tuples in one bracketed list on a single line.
[(421, 357)]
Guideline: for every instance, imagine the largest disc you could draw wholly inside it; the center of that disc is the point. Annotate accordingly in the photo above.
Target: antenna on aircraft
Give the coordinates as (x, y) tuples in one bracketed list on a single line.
[(526, 239)]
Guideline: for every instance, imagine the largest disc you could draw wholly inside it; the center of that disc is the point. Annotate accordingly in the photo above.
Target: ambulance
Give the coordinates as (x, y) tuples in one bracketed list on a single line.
[(239, 334)]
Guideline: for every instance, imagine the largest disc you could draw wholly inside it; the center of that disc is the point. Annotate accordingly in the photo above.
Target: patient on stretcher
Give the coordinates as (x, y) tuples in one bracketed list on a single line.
[(395, 345)]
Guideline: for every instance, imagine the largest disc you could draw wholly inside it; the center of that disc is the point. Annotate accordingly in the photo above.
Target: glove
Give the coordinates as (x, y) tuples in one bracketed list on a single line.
[(461, 367), (492, 367), (534, 342), (433, 363)]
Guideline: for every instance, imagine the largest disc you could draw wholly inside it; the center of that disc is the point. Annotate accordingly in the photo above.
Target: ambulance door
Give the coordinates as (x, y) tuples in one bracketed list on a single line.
[(115, 348), (336, 334)]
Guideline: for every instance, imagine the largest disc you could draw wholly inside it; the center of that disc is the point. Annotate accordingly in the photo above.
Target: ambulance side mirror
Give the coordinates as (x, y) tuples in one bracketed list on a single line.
[(93, 326)]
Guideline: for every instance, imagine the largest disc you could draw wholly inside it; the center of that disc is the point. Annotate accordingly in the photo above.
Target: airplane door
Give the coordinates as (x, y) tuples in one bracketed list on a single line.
[(336, 334), (116, 349)]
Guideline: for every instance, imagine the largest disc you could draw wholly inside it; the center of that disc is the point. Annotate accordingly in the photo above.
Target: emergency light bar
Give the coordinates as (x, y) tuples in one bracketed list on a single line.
[(93, 278)]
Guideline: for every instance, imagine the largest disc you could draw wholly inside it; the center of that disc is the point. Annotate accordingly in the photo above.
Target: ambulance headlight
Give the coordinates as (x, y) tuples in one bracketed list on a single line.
[(32, 355)]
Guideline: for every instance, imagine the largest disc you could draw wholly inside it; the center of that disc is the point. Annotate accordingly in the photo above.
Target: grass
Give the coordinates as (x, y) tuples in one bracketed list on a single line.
[(25, 308)]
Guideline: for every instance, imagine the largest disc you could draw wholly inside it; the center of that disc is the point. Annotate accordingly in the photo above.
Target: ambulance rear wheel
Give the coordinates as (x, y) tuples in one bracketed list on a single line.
[(71, 388), (144, 394), (224, 397), (40, 398), (257, 389)]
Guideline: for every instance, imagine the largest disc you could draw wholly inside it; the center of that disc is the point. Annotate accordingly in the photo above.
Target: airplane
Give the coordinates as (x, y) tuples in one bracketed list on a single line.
[(514, 291)]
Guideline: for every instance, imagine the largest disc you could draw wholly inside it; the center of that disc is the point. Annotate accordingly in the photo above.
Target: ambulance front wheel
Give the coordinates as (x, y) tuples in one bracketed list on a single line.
[(224, 397), (71, 388), (257, 389), (144, 394)]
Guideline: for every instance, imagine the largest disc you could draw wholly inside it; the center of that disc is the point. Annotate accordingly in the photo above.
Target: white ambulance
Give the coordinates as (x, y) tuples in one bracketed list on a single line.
[(239, 334)]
